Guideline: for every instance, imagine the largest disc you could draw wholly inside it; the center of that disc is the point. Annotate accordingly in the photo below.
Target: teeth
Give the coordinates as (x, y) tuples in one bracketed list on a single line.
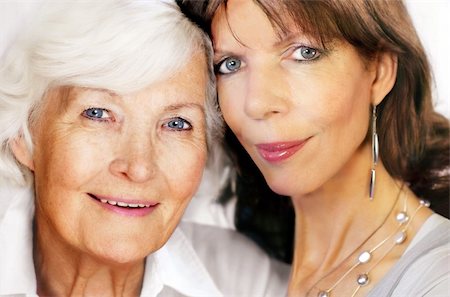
[(123, 204)]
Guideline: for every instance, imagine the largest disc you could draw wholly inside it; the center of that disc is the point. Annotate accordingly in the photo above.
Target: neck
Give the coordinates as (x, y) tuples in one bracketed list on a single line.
[(63, 271), (334, 220)]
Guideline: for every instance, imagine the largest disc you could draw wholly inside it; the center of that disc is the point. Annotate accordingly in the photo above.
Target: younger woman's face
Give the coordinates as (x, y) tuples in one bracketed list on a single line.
[(301, 112)]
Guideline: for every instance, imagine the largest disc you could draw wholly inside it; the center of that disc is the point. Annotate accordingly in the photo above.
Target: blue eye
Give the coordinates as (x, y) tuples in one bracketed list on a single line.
[(179, 124), (228, 65), (95, 113), (305, 53)]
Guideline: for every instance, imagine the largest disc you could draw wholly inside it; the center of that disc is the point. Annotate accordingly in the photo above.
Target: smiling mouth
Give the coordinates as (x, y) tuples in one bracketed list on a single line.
[(121, 203)]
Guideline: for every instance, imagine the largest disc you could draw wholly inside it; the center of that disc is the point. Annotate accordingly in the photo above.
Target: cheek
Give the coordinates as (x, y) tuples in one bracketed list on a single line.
[(342, 125), (231, 104), (182, 167), (181, 173), (340, 102), (71, 160), (66, 166), (189, 178), (352, 110)]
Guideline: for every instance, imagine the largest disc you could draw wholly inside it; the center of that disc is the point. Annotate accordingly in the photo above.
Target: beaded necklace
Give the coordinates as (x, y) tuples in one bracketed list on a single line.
[(397, 237)]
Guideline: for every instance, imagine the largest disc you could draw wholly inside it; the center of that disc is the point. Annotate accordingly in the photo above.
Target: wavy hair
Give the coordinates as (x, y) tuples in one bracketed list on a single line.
[(414, 138), (119, 45)]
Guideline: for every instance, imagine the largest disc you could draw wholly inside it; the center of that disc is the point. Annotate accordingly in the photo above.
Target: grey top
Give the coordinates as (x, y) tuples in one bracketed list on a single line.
[(424, 268)]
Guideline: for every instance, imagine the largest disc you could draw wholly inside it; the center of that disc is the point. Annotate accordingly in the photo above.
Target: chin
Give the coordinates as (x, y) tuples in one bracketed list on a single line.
[(122, 258), (123, 252), (279, 185), (281, 190), (287, 186)]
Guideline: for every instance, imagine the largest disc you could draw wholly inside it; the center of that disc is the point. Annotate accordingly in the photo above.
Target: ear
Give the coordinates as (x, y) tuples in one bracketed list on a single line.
[(385, 68), (21, 152)]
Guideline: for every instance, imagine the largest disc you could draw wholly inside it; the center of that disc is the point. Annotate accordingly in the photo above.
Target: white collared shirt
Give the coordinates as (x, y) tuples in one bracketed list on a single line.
[(197, 260)]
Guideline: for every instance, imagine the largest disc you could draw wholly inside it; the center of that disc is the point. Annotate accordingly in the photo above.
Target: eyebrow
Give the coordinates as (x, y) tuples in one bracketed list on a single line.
[(178, 106), (74, 93), (286, 39), (282, 40), (101, 90), (219, 55)]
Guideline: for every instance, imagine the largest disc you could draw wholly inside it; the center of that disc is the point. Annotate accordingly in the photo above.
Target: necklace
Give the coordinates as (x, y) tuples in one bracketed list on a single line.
[(363, 242), (398, 237)]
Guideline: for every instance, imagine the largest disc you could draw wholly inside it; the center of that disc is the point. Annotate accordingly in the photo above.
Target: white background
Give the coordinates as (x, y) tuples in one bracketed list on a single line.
[(432, 21)]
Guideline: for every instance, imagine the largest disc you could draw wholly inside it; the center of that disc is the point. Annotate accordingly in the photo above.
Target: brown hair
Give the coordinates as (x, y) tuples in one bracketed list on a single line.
[(414, 139)]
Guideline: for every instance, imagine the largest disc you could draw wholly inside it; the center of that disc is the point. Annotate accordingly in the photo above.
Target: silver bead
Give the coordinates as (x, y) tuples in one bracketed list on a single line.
[(402, 217), (364, 257), (400, 237), (323, 294), (363, 279), (425, 203)]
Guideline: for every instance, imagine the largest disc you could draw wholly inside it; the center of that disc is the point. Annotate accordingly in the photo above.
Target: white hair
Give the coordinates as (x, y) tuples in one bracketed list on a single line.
[(119, 45)]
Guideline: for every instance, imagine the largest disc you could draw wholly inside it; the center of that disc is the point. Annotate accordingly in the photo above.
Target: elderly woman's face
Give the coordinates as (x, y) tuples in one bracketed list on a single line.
[(114, 174)]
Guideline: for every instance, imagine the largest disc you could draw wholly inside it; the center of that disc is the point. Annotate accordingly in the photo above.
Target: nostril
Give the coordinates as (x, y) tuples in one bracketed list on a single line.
[(263, 111), (133, 168)]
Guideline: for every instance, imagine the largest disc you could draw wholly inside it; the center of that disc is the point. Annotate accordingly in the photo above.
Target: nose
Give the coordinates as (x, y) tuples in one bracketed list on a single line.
[(266, 94), (134, 160)]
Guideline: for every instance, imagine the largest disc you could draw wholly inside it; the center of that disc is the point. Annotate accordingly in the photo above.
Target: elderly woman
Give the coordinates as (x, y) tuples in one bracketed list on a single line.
[(106, 110), (331, 100)]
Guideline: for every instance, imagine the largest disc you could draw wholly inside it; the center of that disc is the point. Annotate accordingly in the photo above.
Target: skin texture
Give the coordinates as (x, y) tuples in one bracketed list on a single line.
[(273, 89), (130, 151)]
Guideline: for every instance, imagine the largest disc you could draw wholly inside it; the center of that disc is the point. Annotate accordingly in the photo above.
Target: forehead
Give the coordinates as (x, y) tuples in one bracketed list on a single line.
[(232, 20), (188, 82), (193, 72), (231, 24), (314, 20)]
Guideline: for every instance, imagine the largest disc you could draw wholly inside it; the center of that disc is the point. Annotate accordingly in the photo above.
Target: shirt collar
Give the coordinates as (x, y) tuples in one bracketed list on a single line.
[(179, 267), (176, 264)]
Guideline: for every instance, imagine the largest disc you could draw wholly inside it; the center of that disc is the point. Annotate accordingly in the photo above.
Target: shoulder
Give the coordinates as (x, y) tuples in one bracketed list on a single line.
[(17, 273), (424, 269), (237, 265)]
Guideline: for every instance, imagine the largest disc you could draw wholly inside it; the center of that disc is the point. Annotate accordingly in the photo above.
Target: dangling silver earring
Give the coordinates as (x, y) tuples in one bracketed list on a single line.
[(374, 152)]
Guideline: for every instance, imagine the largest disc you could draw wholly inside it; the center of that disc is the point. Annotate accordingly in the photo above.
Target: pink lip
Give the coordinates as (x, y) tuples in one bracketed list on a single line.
[(278, 151), (125, 210)]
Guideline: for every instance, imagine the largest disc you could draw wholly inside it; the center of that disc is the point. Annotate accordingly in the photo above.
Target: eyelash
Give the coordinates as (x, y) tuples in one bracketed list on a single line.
[(166, 125), (178, 119), (318, 53), (103, 110), (222, 62)]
